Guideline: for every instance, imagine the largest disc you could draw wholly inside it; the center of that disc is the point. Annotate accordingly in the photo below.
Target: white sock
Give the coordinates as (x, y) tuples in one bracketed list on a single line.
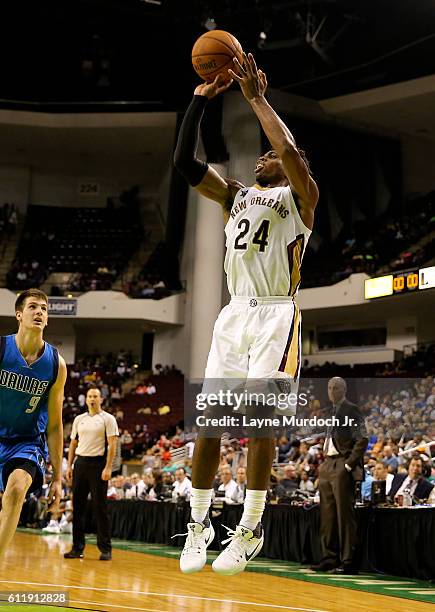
[(253, 509), (200, 500)]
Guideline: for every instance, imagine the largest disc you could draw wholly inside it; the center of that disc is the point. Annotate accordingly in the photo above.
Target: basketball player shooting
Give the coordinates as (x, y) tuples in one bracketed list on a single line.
[(32, 380), (257, 336)]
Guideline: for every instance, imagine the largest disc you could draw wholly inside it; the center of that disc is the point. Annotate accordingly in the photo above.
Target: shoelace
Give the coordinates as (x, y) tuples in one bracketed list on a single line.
[(179, 535), (236, 547), (190, 542)]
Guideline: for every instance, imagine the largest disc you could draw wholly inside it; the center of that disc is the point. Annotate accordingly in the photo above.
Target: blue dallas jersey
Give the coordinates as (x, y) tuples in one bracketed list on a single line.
[(24, 390)]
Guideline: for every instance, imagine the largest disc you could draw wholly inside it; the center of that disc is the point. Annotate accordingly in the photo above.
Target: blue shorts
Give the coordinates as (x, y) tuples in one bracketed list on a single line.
[(10, 451)]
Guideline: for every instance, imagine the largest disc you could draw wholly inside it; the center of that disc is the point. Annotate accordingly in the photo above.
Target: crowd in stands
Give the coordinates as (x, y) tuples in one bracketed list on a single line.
[(106, 372), (397, 421), (149, 282), (418, 361), (391, 242), (77, 241), (9, 217), (400, 421), (25, 274), (147, 286)]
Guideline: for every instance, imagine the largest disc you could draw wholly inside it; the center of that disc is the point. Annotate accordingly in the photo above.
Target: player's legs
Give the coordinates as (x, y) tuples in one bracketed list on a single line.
[(246, 541), (18, 484), (205, 463), (260, 458), (200, 532), (273, 328), (227, 360)]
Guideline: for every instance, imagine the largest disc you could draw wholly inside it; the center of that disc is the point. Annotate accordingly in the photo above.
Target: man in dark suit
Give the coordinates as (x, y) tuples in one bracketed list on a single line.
[(413, 483), (345, 444)]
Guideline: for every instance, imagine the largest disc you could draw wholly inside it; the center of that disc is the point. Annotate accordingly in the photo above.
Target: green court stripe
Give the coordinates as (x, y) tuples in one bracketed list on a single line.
[(379, 584)]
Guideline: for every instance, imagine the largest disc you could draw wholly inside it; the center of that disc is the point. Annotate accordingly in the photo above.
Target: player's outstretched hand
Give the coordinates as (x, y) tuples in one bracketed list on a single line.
[(252, 81), (54, 496), (210, 90)]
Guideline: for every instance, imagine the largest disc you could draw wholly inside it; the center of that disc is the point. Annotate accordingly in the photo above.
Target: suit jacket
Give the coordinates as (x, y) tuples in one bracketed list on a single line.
[(422, 491), (350, 439)]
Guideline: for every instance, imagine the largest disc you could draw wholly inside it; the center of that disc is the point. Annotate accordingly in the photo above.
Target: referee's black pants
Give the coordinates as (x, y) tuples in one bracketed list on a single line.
[(87, 479)]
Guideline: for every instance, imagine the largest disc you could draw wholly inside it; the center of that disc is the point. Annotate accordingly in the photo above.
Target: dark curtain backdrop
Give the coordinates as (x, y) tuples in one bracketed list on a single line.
[(393, 541)]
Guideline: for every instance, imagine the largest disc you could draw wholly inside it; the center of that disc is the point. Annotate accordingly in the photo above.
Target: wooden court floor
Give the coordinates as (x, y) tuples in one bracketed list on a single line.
[(139, 582)]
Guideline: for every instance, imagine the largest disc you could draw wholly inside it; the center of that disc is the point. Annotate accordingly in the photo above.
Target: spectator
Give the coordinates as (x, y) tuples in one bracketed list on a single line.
[(137, 488), (289, 483), (305, 484), (380, 472), (151, 389), (228, 486), (238, 497), (283, 448), (157, 488), (112, 491), (13, 220), (182, 486), (119, 415), (164, 409), (412, 483), (390, 459), (81, 399)]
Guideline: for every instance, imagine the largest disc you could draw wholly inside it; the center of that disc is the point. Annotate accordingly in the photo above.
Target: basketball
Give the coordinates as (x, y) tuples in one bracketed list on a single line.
[(213, 53)]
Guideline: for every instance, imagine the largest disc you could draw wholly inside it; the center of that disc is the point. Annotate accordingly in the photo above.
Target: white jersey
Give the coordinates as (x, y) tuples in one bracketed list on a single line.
[(265, 240)]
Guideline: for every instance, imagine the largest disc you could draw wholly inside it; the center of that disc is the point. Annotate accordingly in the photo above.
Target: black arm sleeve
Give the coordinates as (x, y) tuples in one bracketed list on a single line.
[(185, 159)]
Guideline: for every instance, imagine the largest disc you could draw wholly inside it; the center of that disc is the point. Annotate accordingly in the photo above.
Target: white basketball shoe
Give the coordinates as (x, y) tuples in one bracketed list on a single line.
[(52, 527), (194, 554), (244, 545)]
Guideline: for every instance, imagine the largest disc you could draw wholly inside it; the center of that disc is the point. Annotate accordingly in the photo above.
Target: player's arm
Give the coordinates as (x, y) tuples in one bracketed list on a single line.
[(197, 172), (253, 84), (55, 434)]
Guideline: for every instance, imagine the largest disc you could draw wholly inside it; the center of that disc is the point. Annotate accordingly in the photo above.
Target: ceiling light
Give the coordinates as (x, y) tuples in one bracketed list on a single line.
[(209, 23), (262, 37)]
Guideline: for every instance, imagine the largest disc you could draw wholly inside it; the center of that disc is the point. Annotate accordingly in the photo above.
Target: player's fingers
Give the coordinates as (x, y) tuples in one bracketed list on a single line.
[(238, 66), (252, 63), (217, 80), (263, 78), (234, 75), (247, 64), (225, 85)]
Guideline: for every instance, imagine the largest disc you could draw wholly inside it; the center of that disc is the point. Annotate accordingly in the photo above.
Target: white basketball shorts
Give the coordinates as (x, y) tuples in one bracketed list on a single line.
[(256, 338)]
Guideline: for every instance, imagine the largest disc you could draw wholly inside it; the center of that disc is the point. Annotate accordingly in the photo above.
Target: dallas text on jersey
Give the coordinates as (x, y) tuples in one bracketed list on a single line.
[(19, 382)]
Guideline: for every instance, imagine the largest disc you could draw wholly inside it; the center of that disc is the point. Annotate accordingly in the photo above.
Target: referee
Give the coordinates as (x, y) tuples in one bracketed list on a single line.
[(93, 440)]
